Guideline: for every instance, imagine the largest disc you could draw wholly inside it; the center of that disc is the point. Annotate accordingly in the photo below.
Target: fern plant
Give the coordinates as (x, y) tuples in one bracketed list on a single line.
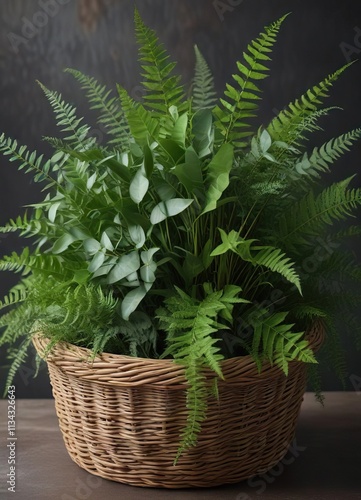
[(188, 226)]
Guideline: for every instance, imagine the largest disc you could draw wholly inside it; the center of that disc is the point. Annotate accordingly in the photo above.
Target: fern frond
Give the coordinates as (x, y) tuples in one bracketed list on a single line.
[(334, 352), (276, 261), (162, 88), (47, 264), (240, 102), (204, 95), (283, 126), (309, 312), (314, 379), (28, 161), (17, 294), (19, 358), (311, 214), (190, 325), (111, 115), (142, 124), (67, 120), (321, 158), (275, 340)]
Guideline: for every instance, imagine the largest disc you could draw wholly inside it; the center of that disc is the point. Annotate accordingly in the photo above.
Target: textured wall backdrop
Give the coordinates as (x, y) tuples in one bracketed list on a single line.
[(39, 38)]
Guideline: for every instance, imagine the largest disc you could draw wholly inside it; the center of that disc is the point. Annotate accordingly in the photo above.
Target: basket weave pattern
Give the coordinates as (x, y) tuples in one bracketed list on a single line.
[(121, 417)]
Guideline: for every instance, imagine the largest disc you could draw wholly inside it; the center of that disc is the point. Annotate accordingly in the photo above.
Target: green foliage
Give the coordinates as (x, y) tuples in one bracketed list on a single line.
[(274, 340), (240, 102), (162, 87), (67, 120), (204, 95), (191, 226), (190, 325), (111, 115), (285, 126)]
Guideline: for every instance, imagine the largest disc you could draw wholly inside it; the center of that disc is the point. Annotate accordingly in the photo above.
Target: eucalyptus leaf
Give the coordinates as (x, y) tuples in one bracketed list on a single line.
[(91, 246), (139, 186), (63, 243), (168, 208), (96, 262), (53, 210), (137, 235), (265, 141), (147, 272), (106, 242), (147, 255), (126, 264), (132, 300)]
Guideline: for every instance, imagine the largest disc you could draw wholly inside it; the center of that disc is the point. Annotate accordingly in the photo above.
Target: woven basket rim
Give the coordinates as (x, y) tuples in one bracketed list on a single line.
[(122, 370)]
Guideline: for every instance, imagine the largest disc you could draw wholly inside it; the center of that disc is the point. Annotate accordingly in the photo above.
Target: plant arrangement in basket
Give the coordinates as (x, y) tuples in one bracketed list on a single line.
[(184, 234)]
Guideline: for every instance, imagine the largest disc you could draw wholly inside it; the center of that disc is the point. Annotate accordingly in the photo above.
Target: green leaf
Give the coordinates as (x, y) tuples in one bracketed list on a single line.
[(106, 243), (179, 131), (139, 186), (126, 265), (148, 161), (265, 141), (190, 172), (203, 132), (91, 246), (218, 176), (63, 243), (137, 235), (96, 262), (168, 208), (133, 299)]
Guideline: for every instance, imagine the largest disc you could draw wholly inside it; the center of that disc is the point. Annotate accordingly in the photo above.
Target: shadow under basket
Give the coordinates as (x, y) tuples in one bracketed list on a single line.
[(121, 417)]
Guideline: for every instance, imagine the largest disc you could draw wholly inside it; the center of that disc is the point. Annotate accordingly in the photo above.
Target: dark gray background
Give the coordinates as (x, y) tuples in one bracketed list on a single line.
[(96, 36)]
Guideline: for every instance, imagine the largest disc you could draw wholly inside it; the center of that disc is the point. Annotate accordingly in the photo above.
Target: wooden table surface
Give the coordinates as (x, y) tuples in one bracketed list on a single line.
[(324, 463)]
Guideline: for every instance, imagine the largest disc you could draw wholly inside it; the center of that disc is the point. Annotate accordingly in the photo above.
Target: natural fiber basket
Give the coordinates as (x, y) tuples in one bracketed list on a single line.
[(121, 417)]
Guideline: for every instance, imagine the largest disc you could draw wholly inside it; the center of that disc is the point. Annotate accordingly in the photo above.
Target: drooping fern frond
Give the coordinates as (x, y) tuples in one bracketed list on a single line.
[(259, 255), (283, 126), (77, 134), (100, 99), (204, 95), (190, 325), (19, 358), (163, 89), (315, 381), (334, 352), (275, 341), (276, 261), (240, 102)]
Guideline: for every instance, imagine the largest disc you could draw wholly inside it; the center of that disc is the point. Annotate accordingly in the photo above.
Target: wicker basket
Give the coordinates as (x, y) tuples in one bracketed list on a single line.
[(121, 417)]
